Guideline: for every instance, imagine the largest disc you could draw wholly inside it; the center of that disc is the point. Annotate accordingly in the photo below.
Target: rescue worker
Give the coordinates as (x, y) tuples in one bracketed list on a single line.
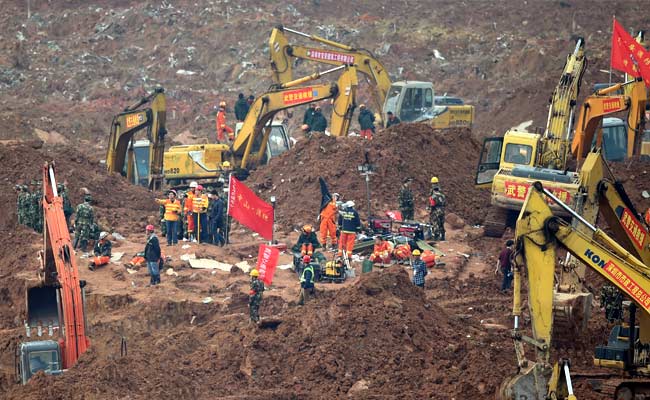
[(647, 217), (327, 218), (187, 208), (381, 251), (419, 269), (37, 207), (405, 200), (402, 252), (300, 266), (152, 256), (215, 217), (306, 283), (255, 296), (307, 241), (437, 203), (21, 203), (67, 205), (241, 108), (350, 224), (172, 209), (182, 219), (504, 263), (611, 300), (222, 128), (392, 119), (199, 210), (102, 252), (366, 122), (318, 121), (84, 219), (309, 115)]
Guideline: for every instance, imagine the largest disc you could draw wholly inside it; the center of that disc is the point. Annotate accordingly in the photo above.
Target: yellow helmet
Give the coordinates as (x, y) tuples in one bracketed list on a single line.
[(225, 164), (222, 103), (254, 272), (416, 252), (307, 228), (434, 179)]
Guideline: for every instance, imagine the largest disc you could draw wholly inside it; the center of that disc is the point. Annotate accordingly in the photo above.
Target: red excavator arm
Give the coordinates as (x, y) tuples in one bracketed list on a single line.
[(60, 275)]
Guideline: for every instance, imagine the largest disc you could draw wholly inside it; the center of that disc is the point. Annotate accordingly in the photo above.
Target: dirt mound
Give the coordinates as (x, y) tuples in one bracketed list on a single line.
[(405, 150), (635, 176), (379, 336), (119, 205)]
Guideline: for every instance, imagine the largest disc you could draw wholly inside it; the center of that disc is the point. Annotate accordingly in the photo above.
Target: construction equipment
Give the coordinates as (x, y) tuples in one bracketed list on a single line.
[(141, 161), (411, 101), (258, 140), (539, 234), (56, 306), (510, 163)]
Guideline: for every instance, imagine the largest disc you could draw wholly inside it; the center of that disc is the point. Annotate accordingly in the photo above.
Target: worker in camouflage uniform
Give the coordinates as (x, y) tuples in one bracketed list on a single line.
[(84, 220), (611, 300), (255, 296), (22, 203), (67, 205), (437, 203), (161, 218), (405, 200), (37, 208)]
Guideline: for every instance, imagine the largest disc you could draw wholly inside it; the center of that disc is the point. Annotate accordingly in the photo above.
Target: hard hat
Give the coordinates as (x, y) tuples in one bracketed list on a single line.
[(103, 235), (150, 228), (336, 195), (318, 107), (304, 127), (193, 184), (349, 204), (222, 103), (59, 186), (416, 252), (254, 272), (225, 164), (306, 259), (88, 198), (199, 187), (307, 228), (362, 106), (173, 191), (434, 179)]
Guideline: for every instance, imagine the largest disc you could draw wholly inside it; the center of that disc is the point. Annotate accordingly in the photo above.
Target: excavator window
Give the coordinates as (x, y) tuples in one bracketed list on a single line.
[(518, 153), (47, 361), (614, 139), (277, 142), (393, 99)]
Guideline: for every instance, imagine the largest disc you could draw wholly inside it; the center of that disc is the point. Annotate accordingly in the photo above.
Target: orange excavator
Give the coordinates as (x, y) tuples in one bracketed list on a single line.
[(56, 306)]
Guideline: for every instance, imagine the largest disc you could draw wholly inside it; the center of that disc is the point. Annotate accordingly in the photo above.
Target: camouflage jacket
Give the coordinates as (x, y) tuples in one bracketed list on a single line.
[(437, 200), (257, 288), (85, 214), (405, 198)]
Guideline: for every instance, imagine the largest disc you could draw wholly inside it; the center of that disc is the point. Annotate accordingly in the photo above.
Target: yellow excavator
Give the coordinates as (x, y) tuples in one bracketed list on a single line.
[(259, 139), (411, 101), (539, 234), (509, 164), (141, 161)]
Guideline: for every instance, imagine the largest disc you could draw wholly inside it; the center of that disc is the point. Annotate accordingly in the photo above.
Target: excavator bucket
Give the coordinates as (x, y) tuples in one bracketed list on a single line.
[(43, 307), (527, 384), (571, 313)]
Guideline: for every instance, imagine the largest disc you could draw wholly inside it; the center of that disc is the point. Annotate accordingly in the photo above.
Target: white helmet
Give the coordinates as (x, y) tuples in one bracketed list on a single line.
[(336, 195), (103, 235), (349, 204), (193, 184)]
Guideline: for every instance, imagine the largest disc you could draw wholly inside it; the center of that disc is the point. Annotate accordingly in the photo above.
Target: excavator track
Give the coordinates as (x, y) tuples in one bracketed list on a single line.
[(495, 223)]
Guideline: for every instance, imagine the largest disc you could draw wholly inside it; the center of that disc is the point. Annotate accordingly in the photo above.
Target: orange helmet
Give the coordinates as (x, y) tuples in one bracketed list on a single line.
[(222, 103), (307, 228)]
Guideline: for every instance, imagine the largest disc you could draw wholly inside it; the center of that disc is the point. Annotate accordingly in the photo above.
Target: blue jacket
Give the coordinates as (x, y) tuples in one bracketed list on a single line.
[(349, 220), (152, 249), (419, 272)]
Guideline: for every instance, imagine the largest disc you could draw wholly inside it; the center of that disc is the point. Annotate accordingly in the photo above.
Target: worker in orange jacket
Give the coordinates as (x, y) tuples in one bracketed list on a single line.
[(381, 251), (199, 209), (222, 128), (327, 217), (102, 252), (188, 208), (402, 252)]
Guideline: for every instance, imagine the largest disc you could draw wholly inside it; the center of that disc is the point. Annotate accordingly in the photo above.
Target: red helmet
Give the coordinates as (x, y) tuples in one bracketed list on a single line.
[(199, 187), (306, 259), (150, 228)]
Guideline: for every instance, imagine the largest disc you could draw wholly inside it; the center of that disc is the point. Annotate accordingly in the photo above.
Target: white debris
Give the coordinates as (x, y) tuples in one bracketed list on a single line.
[(437, 54), (188, 257), (185, 72)]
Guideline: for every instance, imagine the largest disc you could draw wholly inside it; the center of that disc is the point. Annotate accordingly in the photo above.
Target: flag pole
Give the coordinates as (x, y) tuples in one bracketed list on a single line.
[(610, 61), (227, 235)]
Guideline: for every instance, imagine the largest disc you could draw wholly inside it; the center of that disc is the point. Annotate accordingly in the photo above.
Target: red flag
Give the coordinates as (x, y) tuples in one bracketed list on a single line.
[(267, 260), (628, 55), (250, 210)]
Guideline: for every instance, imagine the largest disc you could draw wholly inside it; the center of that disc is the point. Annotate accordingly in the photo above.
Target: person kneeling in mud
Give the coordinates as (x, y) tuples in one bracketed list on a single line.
[(102, 251)]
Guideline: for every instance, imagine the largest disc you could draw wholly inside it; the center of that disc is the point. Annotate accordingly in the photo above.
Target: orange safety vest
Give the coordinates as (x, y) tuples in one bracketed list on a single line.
[(172, 209), (189, 202), (200, 204)]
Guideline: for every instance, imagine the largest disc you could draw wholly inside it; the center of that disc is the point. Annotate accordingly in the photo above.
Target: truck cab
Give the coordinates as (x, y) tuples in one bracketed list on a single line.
[(42, 355)]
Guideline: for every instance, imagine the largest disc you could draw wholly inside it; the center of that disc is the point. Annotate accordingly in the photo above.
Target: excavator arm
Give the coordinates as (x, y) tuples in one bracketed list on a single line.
[(283, 55), (250, 144), (539, 234), (123, 129)]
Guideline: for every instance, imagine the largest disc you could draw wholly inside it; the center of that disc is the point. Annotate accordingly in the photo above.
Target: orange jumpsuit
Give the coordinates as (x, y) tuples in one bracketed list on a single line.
[(222, 128), (381, 252), (402, 252), (328, 223), (189, 203)]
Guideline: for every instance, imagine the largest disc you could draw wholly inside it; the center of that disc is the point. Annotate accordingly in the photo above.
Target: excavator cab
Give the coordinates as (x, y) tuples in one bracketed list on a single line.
[(32, 357), (614, 139), (411, 101)]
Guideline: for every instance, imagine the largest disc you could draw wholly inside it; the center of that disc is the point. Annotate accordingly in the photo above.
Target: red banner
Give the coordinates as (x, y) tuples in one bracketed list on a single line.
[(633, 227), (628, 55), (267, 260), (519, 191), (250, 210), (298, 96)]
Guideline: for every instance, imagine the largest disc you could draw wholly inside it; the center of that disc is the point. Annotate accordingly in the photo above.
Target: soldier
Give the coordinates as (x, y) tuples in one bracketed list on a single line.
[(255, 296), (21, 203), (85, 218), (161, 217), (37, 208), (612, 300), (67, 205), (405, 200), (437, 203)]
